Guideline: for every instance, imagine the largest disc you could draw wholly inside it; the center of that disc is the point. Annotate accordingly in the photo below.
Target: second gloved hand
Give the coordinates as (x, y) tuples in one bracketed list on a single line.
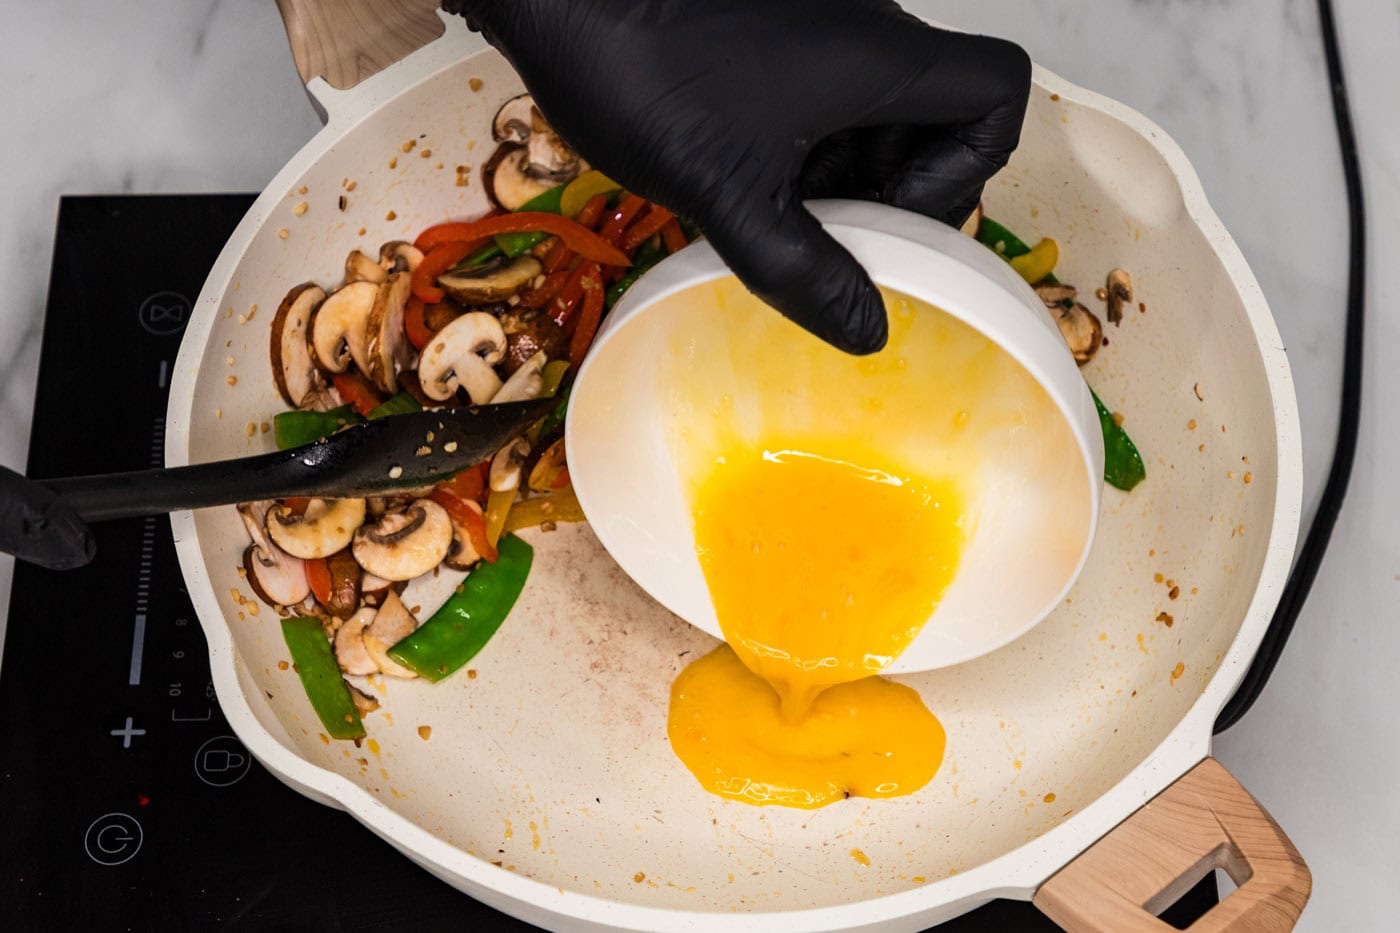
[(729, 112)]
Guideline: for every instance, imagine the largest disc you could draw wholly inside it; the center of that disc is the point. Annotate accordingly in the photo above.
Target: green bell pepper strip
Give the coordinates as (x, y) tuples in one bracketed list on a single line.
[(465, 623), (401, 404), (297, 428), (1122, 463), (320, 676)]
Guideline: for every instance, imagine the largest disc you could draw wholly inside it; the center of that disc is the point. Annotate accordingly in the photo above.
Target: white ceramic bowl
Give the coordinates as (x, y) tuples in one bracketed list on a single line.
[(1034, 506)]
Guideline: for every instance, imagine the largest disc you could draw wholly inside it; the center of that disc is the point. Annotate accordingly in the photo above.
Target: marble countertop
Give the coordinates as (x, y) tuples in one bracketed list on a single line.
[(154, 97)]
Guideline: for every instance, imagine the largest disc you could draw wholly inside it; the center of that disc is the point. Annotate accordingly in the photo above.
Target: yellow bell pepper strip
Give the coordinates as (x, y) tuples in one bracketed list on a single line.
[(298, 428), (454, 634), (498, 506), (321, 678), (558, 506), (581, 190), (1038, 264)]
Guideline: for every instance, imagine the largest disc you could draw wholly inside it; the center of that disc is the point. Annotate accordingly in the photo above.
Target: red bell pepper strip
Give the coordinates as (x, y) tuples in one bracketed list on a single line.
[(592, 211), (355, 390), (435, 262), (318, 574), (470, 483), (627, 209), (588, 320), (562, 479), (415, 325), (646, 227), (673, 236), (470, 519), (572, 294), (556, 256), (576, 237), (551, 286), (297, 504)]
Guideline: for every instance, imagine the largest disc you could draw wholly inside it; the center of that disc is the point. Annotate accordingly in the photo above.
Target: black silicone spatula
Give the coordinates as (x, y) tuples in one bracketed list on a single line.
[(43, 521)]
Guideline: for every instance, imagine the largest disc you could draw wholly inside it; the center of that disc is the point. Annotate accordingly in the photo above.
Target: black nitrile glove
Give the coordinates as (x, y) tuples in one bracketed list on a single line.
[(729, 112), (36, 525)]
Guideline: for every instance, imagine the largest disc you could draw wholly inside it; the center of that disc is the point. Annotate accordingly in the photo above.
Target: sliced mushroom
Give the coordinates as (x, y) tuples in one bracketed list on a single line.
[(1054, 293), (514, 121), (1081, 329), (531, 159), (462, 555), (292, 368), (350, 652), (399, 256), (340, 327), (392, 624), (360, 268), (973, 225), (406, 543), (508, 181), (529, 331), (388, 347), (525, 383), (505, 466), (364, 703), (321, 399), (373, 589), (462, 353), (1120, 292), (491, 281), (327, 526), (278, 578), (345, 584)]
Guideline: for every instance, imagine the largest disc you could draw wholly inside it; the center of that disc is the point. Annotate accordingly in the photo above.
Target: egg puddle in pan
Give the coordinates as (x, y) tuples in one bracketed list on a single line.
[(831, 499)]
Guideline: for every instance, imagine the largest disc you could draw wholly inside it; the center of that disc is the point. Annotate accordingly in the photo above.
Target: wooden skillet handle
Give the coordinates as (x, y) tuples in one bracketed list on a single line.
[(346, 41), (1204, 821)]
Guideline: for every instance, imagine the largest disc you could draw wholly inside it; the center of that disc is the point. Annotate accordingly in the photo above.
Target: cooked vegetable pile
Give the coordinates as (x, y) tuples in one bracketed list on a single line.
[(478, 312)]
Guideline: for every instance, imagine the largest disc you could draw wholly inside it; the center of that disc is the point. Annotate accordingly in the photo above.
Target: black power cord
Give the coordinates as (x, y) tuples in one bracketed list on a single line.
[(1300, 581)]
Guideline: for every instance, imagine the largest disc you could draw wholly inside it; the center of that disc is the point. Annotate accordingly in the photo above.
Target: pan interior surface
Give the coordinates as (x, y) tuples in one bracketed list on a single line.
[(552, 762)]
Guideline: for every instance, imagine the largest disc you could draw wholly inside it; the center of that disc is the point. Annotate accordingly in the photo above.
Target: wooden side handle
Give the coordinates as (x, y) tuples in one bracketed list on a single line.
[(346, 41), (1204, 821)]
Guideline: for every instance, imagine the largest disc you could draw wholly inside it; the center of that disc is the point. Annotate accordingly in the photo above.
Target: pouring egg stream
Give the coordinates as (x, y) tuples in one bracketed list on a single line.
[(832, 498)]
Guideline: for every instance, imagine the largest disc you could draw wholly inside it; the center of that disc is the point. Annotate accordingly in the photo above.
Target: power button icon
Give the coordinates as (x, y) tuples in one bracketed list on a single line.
[(112, 839)]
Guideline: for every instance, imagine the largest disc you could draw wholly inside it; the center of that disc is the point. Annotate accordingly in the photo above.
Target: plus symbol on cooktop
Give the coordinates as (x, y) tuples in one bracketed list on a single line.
[(127, 732)]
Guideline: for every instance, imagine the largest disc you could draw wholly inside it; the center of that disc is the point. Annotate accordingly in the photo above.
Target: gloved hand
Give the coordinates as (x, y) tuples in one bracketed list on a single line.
[(729, 112), (36, 525)]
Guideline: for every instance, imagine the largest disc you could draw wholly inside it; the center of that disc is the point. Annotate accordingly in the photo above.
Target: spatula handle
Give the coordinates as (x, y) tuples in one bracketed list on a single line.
[(1204, 821)]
